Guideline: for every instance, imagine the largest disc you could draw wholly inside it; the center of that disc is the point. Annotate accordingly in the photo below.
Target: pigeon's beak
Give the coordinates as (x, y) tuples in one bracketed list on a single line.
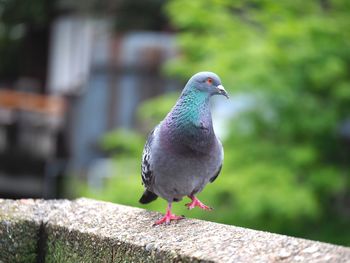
[(221, 90)]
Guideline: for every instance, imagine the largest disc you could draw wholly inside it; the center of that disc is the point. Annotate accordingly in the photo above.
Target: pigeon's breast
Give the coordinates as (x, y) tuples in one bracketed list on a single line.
[(178, 175), (188, 138)]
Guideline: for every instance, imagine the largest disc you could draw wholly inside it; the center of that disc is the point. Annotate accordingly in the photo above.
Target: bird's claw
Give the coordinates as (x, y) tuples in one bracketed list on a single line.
[(195, 202), (167, 219)]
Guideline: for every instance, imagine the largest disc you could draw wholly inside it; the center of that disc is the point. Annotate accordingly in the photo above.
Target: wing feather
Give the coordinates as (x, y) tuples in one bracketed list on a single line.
[(220, 167), (146, 164)]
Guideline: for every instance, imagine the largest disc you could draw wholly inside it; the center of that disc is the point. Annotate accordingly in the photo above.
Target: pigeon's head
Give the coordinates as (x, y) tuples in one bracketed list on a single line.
[(208, 82)]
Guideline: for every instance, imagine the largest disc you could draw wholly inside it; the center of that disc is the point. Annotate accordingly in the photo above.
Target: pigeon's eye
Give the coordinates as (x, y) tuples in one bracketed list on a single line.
[(209, 80)]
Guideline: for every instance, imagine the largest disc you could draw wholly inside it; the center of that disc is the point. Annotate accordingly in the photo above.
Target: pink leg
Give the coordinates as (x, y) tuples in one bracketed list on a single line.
[(168, 217), (195, 202)]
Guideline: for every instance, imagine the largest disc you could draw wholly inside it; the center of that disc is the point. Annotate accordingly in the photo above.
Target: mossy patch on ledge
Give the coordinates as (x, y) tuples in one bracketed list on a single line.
[(18, 241)]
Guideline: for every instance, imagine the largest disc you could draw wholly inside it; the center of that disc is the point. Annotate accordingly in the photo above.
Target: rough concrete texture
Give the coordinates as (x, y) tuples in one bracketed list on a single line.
[(19, 229), (91, 231)]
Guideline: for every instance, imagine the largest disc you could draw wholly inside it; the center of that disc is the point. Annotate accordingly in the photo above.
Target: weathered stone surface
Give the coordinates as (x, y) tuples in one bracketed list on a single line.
[(91, 231), (18, 232)]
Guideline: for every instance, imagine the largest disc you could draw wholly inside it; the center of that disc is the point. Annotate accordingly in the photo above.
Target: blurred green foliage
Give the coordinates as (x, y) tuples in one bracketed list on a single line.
[(122, 143), (287, 166)]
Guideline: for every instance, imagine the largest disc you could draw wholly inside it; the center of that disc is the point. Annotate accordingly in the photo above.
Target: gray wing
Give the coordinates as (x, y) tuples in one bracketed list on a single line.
[(216, 174), (146, 164)]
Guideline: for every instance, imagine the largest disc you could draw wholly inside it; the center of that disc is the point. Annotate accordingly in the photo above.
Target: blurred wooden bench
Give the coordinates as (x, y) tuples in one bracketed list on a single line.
[(46, 104)]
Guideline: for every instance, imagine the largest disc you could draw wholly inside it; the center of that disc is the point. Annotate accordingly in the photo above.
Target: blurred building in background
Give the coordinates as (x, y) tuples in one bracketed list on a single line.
[(78, 72)]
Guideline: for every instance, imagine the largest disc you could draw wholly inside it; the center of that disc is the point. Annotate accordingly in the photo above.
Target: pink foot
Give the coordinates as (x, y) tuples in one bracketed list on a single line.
[(195, 202), (168, 217)]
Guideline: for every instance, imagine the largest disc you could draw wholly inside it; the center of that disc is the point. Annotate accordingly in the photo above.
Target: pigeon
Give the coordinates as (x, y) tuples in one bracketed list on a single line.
[(182, 153)]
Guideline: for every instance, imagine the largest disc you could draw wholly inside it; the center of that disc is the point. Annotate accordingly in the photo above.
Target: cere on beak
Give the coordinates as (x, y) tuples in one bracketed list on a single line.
[(222, 91)]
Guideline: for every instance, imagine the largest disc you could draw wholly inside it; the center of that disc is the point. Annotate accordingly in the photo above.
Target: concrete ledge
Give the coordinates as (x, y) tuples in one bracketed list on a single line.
[(91, 231)]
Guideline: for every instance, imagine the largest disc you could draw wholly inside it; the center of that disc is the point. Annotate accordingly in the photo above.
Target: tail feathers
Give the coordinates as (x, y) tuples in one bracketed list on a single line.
[(147, 197)]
